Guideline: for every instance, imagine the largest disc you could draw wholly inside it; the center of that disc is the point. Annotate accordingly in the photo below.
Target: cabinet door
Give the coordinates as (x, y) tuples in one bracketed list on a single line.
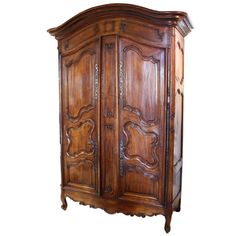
[(80, 123), (142, 86)]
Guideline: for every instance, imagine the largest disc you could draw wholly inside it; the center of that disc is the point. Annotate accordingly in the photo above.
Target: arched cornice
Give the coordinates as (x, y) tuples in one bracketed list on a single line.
[(177, 19)]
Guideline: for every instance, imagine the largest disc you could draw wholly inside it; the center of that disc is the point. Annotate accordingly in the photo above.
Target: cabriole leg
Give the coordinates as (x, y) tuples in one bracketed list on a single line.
[(63, 200), (167, 223)]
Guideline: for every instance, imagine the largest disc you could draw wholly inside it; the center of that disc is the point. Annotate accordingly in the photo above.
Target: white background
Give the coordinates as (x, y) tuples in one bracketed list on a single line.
[(29, 127)]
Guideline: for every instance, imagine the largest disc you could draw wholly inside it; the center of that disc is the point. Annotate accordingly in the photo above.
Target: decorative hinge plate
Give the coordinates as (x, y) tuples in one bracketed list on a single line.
[(121, 157)]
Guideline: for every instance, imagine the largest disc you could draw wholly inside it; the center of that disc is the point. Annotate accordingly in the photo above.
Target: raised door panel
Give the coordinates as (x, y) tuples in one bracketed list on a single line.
[(142, 122), (80, 112)]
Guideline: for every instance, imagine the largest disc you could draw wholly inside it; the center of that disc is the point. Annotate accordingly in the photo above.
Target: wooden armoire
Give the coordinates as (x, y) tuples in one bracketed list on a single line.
[(121, 108)]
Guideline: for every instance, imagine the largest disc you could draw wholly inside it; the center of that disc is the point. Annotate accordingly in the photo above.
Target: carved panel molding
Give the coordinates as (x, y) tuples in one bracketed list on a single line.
[(77, 77), (148, 156), (137, 168), (109, 91), (160, 34), (76, 175), (79, 139), (122, 26), (143, 62), (109, 26)]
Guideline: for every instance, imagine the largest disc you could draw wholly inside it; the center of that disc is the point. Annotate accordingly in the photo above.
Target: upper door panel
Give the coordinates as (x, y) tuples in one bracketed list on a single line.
[(81, 85)]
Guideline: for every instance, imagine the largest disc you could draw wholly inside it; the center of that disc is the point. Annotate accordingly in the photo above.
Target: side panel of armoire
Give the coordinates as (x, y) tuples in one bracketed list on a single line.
[(177, 115)]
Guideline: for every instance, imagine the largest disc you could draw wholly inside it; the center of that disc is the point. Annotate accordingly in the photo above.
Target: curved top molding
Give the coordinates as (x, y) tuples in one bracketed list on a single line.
[(177, 19)]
